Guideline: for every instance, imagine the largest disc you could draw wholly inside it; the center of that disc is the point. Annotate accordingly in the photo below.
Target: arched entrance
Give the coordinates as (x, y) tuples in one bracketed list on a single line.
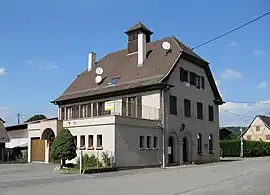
[(185, 149), (48, 135), (171, 150)]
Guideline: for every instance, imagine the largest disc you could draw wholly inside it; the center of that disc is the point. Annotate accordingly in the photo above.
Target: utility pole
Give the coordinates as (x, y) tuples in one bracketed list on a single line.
[(242, 144), (18, 117)]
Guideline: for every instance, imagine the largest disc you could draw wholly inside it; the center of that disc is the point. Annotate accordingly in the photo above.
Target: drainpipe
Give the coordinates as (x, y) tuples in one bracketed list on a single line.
[(163, 125)]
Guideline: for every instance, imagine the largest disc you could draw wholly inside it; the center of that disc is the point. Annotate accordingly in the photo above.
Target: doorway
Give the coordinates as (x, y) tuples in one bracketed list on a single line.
[(171, 145), (185, 149)]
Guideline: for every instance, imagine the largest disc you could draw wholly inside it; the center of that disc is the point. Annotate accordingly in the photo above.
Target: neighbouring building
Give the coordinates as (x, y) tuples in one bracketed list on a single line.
[(225, 133), (152, 98), (258, 130), (18, 135), (3, 139)]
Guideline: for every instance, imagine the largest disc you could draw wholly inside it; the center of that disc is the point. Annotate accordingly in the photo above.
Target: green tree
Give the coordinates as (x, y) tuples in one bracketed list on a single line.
[(36, 118), (63, 147)]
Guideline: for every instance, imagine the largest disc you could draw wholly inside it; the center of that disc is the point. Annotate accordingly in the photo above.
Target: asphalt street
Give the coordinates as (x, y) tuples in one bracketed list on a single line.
[(250, 176)]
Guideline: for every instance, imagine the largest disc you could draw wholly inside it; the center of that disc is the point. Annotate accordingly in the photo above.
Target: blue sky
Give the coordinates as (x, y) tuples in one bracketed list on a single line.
[(44, 45)]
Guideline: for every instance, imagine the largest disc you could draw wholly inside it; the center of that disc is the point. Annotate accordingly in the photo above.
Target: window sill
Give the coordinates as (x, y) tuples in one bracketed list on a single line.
[(99, 148), (212, 152), (82, 148), (90, 148), (155, 148), (141, 148)]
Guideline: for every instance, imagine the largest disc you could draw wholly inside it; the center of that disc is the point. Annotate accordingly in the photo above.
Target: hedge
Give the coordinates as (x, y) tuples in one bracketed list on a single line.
[(231, 148)]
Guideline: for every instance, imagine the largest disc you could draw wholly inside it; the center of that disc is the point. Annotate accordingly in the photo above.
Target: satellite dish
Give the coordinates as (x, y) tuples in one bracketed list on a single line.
[(166, 45), (98, 79), (99, 70)]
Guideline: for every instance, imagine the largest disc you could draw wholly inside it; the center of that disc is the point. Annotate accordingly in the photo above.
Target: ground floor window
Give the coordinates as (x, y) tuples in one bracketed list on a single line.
[(75, 140), (141, 144), (210, 144), (155, 142), (199, 143), (99, 141), (148, 143), (82, 141), (90, 141)]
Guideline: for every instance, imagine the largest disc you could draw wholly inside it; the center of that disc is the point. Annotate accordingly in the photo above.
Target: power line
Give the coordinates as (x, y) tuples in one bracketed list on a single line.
[(241, 116), (229, 32), (244, 102)]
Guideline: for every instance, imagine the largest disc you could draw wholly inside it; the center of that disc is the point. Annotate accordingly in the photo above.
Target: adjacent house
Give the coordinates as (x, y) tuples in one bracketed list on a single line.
[(3, 138), (18, 135), (258, 130), (225, 133), (152, 103)]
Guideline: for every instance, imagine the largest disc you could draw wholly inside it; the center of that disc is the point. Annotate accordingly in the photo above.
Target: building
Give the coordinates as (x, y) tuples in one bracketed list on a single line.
[(152, 103), (3, 139), (225, 133), (18, 135), (258, 130)]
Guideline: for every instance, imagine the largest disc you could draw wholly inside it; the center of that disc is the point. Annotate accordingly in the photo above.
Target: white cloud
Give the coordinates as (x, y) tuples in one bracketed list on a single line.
[(2, 71), (242, 113), (233, 44), (259, 52), (262, 85), (43, 65), (230, 74)]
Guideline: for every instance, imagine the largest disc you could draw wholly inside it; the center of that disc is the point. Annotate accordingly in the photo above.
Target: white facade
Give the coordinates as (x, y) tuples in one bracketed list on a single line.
[(18, 138)]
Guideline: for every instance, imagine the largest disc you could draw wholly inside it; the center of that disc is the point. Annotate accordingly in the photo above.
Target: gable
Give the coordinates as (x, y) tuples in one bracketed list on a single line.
[(252, 131)]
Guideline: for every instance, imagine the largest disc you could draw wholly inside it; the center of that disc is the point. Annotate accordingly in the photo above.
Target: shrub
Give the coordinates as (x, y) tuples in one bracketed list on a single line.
[(91, 162), (63, 147), (106, 159), (231, 148)]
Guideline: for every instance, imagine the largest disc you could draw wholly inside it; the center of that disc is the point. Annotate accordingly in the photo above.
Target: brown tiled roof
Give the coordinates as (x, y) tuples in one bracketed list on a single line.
[(139, 26), (265, 119), (156, 67)]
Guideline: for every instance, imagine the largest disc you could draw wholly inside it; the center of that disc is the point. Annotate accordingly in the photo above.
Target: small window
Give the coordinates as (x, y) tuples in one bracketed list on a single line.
[(155, 142), (199, 110), (198, 81), (99, 141), (187, 108), (114, 81), (199, 143), (83, 111), (148, 143), (249, 138), (203, 84), (141, 142), (95, 109), (267, 137), (183, 75), (82, 141), (173, 105), (211, 113), (210, 144), (193, 79), (90, 141), (257, 128), (75, 140)]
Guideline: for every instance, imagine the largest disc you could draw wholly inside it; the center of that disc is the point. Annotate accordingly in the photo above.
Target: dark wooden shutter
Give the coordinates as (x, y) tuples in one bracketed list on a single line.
[(62, 113)]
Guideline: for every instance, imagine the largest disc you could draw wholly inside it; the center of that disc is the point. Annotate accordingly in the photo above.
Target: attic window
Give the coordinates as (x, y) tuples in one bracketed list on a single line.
[(114, 81)]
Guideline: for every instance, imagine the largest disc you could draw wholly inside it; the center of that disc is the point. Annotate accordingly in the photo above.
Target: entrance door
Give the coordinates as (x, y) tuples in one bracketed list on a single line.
[(171, 148), (37, 149), (185, 150)]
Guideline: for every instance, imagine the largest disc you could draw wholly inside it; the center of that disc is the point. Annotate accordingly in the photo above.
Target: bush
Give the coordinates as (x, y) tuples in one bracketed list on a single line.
[(63, 147), (91, 162), (231, 148), (106, 159)]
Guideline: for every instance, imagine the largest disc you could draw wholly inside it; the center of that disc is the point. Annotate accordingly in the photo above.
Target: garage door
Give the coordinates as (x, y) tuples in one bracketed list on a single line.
[(38, 149)]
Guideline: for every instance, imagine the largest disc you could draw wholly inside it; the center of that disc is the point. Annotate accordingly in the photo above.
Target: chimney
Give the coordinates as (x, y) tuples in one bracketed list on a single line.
[(141, 48), (91, 60)]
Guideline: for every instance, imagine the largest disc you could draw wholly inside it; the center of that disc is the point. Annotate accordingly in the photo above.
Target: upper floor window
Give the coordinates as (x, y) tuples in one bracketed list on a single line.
[(82, 141), (132, 106), (68, 113), (173, 105), (83, 111), (193, 78), (211, 113), (202, 83), (155, 142), (187, 108), (199, 110), (183, 75), (257, 128)]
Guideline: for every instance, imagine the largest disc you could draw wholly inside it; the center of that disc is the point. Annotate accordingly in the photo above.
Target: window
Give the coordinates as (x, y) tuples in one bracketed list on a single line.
[(114, 81), (99, 141), (210, 143), (62, 117), (75, 140), (173, 105), (89, 109), (193, 77), (141, 142), (132, 106), (90, 141), (183, 75), (267, 137), (198, 81), (203, 84), (83, 111), (95, 109), (75, 112), (155, 142), (82, 141), (199, 110), (101, 109), (257, 128), (187, 109), (68, 113), (199, 143), (211, 113), (148, 143)]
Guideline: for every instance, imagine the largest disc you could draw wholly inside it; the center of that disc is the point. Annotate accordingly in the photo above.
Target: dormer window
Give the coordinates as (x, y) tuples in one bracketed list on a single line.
[(114, 81)]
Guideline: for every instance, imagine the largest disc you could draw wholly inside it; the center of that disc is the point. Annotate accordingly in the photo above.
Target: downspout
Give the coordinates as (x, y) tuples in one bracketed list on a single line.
[(163, 125)]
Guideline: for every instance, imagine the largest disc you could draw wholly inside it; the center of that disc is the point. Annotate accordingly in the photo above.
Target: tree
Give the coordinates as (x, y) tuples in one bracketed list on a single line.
[(63, 147), (36, 118)]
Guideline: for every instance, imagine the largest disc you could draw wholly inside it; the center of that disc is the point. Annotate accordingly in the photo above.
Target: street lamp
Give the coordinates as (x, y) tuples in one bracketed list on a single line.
[(182, 127)]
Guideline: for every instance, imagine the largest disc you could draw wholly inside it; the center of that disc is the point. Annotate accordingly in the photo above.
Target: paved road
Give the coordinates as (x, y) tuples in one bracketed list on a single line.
[(250, 176)]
